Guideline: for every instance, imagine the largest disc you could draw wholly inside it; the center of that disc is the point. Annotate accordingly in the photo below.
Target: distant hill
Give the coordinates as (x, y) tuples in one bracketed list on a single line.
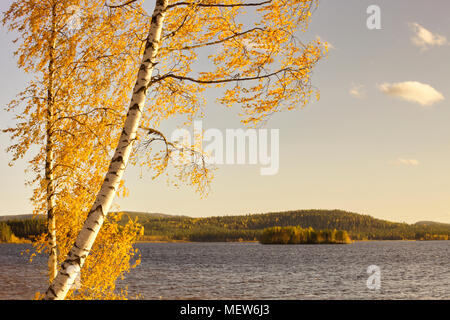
[(432, 223), (146, 215), (250, 226), (16, 217), (133, 214)]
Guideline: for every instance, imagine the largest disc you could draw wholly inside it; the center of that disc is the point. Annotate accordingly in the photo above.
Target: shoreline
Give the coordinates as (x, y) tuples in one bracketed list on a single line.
[(187, 241), (249, 241), (255, 241)]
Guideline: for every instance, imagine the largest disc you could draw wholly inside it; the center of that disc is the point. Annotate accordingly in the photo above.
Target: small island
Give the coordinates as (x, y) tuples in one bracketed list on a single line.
[(298, 235)]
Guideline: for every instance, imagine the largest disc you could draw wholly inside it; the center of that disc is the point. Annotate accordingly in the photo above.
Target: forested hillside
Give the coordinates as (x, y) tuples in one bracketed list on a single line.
[(26, 229), (250, 227)]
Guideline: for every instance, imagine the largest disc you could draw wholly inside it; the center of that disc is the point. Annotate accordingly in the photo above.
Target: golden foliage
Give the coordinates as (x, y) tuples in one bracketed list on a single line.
[(253, 53), (246, 56), (90, 78)]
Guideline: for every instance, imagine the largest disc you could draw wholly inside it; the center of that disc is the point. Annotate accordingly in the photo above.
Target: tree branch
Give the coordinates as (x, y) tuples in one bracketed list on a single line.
[(222, 40), (199, 4), (120, 5), (233, 79)]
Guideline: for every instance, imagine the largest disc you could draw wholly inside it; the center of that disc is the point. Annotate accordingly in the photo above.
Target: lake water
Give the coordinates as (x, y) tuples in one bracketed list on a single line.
[(409, 270)]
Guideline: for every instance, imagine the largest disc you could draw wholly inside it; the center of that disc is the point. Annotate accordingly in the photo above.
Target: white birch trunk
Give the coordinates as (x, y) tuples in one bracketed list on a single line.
[(49, 160), (83, 244), (51, 219)]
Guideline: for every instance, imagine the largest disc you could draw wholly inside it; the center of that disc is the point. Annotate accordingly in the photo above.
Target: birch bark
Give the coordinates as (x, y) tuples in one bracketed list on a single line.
[(83, 244), (49, 159)]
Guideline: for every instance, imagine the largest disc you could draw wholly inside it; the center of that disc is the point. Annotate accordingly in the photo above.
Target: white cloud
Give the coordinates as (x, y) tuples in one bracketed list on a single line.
[(357, 91), (413, 91), (424, 38), (407, 162)]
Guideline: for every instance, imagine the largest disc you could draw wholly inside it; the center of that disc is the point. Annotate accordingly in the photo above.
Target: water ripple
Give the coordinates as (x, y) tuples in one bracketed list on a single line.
[(409, 270)]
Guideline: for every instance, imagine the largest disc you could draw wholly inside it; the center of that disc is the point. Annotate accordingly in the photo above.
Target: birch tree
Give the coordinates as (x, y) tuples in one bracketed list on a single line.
[(254, 58), (68, 118)]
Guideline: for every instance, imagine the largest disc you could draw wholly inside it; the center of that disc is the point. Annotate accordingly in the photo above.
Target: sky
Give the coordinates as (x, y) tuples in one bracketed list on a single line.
[(377, 142)]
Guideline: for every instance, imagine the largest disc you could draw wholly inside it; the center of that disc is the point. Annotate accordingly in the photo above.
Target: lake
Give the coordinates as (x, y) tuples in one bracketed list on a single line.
[(408, 270)]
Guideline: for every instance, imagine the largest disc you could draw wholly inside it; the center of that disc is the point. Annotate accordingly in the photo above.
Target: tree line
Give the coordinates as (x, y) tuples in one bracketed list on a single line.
[(5, 232), (27, 229), (250, 227)]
